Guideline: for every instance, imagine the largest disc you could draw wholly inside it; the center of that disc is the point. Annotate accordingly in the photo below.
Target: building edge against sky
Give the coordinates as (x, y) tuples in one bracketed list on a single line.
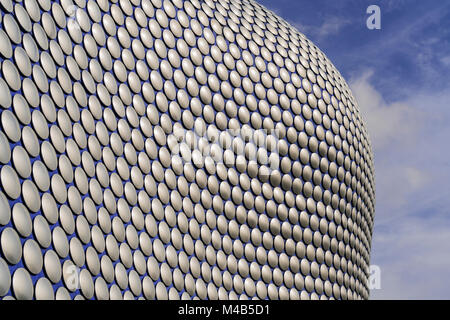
[(177, 150)]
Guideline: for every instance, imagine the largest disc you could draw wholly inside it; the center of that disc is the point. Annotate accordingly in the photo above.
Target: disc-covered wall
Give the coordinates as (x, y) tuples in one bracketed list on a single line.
[(176, 150)]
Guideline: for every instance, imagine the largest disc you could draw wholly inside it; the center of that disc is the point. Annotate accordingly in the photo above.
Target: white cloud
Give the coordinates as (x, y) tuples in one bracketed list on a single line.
[(411, 239), (394, 130), (387, 123), (414, 260), (331, 26), (446, 60)]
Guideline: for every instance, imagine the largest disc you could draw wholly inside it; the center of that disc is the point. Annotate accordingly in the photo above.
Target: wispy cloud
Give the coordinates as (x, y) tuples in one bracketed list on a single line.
[(446, 60), (414, 259), (389, 124), (331, 26), (412, 222)]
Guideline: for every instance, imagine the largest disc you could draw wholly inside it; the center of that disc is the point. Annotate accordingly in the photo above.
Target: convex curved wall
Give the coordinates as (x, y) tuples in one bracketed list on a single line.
[(177, 149)]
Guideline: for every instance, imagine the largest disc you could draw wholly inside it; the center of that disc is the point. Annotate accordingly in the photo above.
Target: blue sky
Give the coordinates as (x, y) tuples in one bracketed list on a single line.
[(400, 77)]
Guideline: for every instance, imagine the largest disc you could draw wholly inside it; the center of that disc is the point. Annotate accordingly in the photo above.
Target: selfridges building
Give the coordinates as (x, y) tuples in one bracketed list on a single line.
[(177, 150)]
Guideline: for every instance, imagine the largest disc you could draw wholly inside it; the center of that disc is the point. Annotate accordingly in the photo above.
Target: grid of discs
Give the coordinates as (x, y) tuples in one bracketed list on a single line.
[(94, 206)]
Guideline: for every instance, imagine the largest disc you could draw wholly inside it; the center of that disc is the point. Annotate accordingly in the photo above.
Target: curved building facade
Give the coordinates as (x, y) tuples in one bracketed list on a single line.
[(172, 149)]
